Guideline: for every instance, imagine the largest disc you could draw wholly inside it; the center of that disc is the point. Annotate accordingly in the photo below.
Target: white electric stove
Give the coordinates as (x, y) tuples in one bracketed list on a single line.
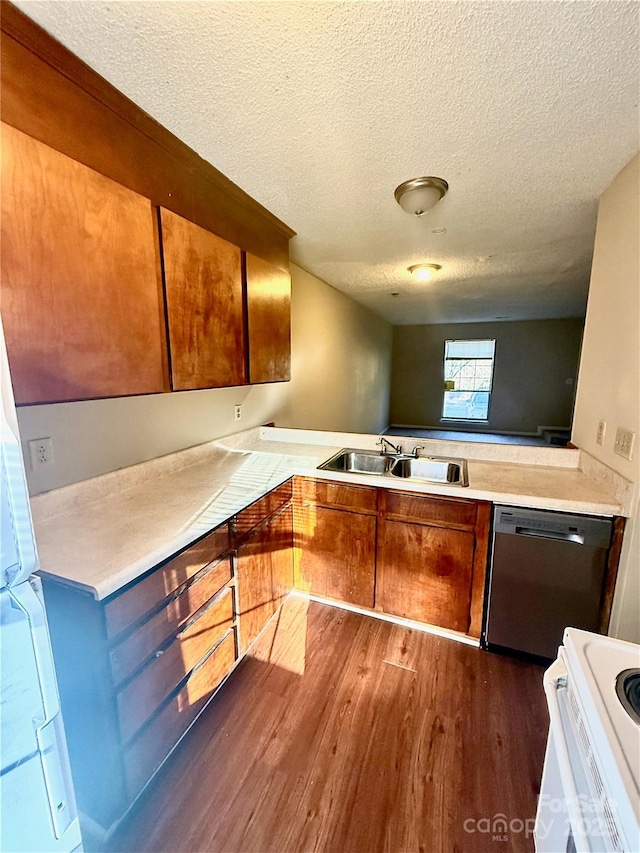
[(590, 792)]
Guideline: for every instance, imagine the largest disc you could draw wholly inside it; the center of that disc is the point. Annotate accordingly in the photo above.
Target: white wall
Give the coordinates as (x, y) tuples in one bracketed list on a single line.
[(609, 376), (340, 376)]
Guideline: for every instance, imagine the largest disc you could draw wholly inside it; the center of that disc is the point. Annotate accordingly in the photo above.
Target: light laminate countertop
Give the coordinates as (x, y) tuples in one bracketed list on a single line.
[(103, 533)]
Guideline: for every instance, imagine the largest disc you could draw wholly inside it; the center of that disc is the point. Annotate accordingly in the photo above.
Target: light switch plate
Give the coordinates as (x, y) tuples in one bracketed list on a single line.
[(625, 439)]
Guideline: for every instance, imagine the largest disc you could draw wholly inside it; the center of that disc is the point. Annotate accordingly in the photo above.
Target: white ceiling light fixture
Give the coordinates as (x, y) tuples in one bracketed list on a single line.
[(424, 272), (419, 195)]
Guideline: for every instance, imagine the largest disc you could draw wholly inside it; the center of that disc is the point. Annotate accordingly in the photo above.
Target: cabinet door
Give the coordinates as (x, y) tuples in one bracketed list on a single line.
[(425, 573), (269, 321), (336, 556), (203, 283), (264, 571), (82, 301), (282, 555)]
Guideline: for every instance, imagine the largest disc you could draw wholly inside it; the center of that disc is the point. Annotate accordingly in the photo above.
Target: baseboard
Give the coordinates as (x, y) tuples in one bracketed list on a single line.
[(425, 627)]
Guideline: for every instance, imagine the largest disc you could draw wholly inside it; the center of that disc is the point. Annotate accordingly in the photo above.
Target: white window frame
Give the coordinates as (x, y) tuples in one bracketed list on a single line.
[(489, 390)]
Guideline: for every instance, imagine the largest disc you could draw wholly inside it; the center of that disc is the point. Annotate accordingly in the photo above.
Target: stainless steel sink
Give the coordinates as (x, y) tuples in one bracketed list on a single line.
[(433, 469), (358, 462), (423, 469)]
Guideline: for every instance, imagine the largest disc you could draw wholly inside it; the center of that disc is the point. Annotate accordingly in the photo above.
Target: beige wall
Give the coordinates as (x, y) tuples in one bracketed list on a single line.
[(533, 362), (341, 360), (609, 381), (341, 363)]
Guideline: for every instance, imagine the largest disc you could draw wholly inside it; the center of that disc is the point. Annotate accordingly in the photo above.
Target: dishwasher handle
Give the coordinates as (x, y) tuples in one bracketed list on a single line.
[(550, 534)]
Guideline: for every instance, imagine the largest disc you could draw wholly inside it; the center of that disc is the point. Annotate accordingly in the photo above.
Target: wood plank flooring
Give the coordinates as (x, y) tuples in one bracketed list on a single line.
[(346, 734)]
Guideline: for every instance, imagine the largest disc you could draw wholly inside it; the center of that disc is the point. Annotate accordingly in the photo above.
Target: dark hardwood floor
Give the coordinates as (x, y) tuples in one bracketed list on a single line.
[(347, 734)]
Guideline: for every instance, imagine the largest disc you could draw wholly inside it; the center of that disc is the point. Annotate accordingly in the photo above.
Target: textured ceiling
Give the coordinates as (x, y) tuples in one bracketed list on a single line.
[(320, 109)]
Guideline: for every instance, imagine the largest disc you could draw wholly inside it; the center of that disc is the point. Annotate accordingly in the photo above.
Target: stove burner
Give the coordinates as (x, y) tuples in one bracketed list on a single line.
[(628, 690)]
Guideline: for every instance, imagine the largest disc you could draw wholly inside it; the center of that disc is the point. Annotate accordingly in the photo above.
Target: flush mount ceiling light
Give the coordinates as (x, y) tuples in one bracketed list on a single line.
[(423, 272), (419, 195)]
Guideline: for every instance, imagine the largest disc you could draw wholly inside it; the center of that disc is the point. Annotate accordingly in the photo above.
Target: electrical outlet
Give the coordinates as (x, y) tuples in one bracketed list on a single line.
[(625, 439), (602, 429), (237, 413), (41, 452)]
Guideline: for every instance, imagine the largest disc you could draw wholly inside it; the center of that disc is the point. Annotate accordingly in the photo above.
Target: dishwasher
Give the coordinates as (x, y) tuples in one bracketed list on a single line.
[(547, 573)]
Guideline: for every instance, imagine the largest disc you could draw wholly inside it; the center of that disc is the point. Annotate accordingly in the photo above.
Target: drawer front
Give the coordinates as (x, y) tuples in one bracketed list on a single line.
[(146, 752), (142, 696), (143, 641), (442, 512), (263, 508), (339, 495), (125, 609)]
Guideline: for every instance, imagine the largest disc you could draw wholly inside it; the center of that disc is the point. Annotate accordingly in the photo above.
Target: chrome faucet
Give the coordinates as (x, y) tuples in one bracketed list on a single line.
[(393, 451), (414, 452)]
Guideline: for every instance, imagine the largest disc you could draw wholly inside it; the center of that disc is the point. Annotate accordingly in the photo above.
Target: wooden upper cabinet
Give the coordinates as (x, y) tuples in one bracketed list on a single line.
[(204, 294), (269, 321), (82, 301)]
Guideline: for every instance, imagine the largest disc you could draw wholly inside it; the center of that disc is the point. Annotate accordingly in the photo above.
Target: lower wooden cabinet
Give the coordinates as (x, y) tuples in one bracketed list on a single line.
[(412, 555), (135, 670), (264, 573), (141, 697), (335, 531), (432, 559), (424, 573), (337, 554), (148, 750)]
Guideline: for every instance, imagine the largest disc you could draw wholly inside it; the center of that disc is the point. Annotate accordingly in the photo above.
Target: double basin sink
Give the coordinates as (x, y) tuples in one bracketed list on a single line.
[(422, 469)]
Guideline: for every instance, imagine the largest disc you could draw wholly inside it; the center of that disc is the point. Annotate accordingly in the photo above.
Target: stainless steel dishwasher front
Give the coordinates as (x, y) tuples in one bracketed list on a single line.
[(547, 573)]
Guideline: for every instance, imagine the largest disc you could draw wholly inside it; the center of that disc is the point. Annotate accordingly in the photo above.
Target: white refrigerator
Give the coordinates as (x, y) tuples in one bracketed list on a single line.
[(37, 806)]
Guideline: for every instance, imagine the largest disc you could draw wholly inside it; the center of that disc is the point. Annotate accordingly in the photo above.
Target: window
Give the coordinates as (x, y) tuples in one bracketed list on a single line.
[(468, 376)]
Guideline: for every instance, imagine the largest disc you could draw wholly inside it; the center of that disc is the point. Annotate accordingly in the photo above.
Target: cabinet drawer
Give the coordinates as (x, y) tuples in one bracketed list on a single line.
[(442, 512), (339, 495), (142, 642), (146, 752), (263, 508), (128, 607), (141, 697)]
